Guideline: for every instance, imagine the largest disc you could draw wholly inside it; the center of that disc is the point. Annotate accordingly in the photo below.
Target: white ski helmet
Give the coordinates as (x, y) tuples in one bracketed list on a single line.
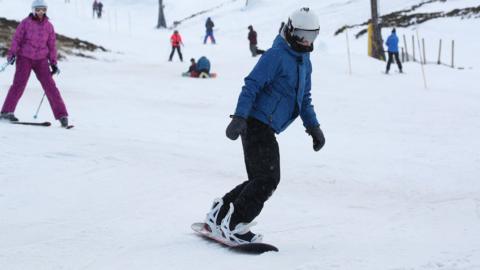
[(302, 25), (39, 4)]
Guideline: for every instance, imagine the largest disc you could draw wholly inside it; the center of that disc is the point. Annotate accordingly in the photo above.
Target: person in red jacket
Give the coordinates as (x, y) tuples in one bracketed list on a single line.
[(176, 41)]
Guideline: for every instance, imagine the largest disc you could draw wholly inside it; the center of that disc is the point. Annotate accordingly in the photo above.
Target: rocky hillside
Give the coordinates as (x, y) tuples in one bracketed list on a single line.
[(407, 17), (66, 46)]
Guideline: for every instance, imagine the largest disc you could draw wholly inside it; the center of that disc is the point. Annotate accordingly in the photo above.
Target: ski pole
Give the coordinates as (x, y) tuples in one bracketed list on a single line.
[(4, 66), (39, 105)]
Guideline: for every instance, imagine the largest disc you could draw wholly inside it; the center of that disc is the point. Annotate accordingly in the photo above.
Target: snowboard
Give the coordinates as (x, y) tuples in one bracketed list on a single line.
[(201, 76), (250, 248)]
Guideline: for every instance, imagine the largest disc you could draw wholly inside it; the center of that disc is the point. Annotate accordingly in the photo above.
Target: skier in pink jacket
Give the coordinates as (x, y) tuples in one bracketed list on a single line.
[(33, 48)]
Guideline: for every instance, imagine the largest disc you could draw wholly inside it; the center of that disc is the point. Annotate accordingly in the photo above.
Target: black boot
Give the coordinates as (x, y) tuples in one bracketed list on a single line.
[(8, 116), (64, 121)]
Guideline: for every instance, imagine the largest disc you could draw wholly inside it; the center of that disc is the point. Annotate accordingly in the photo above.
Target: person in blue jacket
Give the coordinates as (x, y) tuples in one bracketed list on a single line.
[(276, 92), (209, 31), (392, 44), (203, 67)]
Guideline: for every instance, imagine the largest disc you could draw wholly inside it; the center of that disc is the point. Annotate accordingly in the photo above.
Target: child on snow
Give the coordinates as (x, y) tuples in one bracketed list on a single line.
[(176, 41), (200, 69)]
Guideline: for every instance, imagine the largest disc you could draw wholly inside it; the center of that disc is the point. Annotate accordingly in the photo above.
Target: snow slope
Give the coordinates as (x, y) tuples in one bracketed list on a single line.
[(396, 186)]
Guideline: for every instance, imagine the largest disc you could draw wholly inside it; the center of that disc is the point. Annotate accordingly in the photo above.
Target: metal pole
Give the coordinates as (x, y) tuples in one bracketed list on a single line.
[(413, 48), (3, 67), (421, 63), (406, 48), (453, 53), (439, 52), (348, 52), (423, 47), (39, 106)]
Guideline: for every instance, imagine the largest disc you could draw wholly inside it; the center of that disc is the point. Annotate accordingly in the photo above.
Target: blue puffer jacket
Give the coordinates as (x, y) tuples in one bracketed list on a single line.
[(278, 88), (392, 43), (203, 64)]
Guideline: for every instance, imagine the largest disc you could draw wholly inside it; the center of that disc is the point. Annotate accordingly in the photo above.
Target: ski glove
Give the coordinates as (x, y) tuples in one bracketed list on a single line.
[(317, 136), (11, 59), (55, 69), (238, 126)]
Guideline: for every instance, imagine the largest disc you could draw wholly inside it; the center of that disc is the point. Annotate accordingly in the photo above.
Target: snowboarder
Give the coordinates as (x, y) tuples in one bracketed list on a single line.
[(99, 9), (392, 44), (33, 48), (275, 93), (176, 41), (209, 31), (252, 37)]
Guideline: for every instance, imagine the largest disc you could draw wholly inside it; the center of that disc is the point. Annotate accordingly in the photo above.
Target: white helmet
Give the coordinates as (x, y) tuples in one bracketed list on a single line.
[(303, 25), (39, 4), (304, 19)]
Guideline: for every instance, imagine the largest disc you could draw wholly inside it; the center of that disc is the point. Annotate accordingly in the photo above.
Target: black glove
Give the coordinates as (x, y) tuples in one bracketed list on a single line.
[(238, 126), (55, 69), (11, 59), (317, 136)]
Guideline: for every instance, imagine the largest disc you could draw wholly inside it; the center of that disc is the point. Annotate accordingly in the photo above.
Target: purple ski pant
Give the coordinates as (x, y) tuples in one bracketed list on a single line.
[(41, 68)]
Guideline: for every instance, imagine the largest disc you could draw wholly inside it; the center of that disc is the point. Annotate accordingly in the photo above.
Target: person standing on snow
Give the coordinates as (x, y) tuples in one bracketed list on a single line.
[(209, 31), (176, 41), (392, 44), (94, 8), (99, 9), (34, 48), (277, 91), (252, 37)]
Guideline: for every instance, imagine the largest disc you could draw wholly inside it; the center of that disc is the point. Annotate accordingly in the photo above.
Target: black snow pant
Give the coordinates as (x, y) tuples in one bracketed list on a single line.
[(262, 160), (390, 60), (255, 50), (179, 53)]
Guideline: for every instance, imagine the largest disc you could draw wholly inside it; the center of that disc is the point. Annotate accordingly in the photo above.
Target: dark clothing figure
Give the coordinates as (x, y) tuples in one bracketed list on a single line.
[(99, 9), (193, 66), (209, 31), (173, 52), (95, 8), (252, 37), (262, 160), (391, 55)]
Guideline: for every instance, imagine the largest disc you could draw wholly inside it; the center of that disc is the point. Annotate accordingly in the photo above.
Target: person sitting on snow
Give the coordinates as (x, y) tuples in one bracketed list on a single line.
[(203, 67)]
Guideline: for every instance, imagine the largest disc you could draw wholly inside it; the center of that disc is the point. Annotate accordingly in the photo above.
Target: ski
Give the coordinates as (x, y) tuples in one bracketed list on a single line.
[(41, 124)]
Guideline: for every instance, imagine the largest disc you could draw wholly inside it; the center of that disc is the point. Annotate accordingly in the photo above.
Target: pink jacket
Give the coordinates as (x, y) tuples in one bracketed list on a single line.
[(35, 40)]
